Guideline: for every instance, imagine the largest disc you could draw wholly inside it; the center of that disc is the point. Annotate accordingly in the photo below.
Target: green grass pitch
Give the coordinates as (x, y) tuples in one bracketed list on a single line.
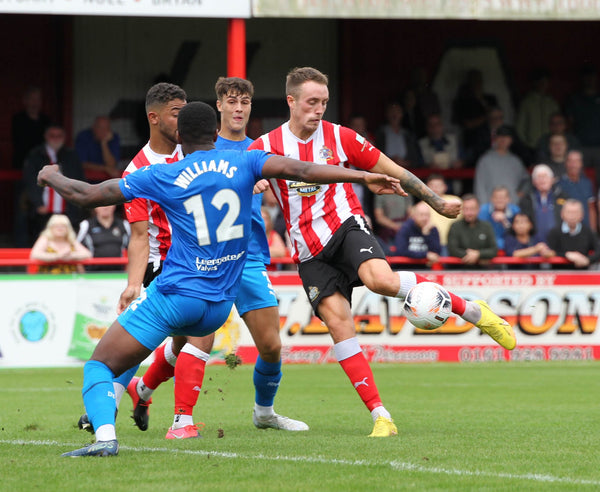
[(501, 426)]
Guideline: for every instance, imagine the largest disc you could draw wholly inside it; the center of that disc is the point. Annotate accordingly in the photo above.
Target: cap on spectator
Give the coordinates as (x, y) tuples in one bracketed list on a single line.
[(504, 131)]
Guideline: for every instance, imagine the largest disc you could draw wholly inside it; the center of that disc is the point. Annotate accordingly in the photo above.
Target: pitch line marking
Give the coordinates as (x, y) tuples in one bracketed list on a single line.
[(396, 465)]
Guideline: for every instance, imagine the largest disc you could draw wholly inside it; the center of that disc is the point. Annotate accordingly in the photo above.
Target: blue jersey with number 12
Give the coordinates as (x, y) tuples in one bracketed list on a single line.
[(208, 200)]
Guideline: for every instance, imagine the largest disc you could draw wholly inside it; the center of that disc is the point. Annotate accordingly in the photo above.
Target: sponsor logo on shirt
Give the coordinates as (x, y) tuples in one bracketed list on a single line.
[(305, 189)]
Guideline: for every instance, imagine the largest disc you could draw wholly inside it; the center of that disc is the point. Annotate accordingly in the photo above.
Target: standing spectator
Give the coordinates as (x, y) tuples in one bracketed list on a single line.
[(397, 142), (572, 239), (544, 202), (28, 126), (471, 239), (43, 202), (535, 109), (499, 166), (105, 235), (557, 125), (442, 224), (522, 242), (583, 110), (576, 185), (500, 213), (558, 148), (57, 243), (418, 238), (99, 149)]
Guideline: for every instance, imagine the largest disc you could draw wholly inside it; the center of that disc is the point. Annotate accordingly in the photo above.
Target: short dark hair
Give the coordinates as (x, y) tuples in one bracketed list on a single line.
[(469, 196), (233, 85), (197, 123), (162, 93), (297, 76)]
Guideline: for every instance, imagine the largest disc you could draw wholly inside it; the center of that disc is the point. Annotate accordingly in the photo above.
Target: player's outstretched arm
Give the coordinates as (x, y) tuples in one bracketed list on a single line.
[(416, 187), (80, 192), (292, 169)]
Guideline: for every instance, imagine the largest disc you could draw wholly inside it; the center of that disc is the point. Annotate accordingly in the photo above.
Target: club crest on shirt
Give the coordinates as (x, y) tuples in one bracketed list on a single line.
[(326, 154), (305, 189)]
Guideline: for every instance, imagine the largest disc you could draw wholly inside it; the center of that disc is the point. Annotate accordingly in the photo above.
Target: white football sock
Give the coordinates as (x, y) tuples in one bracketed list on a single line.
[(380, 412), (106, 432), (180, 421), (261, 411), (119, 391), (407, 281), (142, 390), (472, 312)]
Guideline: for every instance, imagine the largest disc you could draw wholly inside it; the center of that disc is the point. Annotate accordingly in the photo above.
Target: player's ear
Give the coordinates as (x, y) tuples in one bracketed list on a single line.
[(290, 100), (219, 105), (153, 117)]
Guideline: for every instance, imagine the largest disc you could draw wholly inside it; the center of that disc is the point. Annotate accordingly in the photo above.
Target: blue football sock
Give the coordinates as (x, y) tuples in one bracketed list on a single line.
[(266, 381), (98, 393), (124, 378)]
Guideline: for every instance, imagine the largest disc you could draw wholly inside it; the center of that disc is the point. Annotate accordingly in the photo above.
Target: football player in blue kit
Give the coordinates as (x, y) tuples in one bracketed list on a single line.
[(207, 198)]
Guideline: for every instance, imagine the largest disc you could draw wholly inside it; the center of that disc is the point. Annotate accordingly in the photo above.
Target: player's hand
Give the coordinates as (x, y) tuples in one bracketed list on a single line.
[(127, 296), (450, 208), (45, 172), (261, 186), (382, 184)]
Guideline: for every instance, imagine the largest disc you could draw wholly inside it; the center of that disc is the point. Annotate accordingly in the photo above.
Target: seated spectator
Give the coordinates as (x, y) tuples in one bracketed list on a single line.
[(99, 149), (557, 125), (441, 223), (105, 235), (389, 213), (535, 108), (499, 212), (544, 202), (57, 243), (418, 238), (557, 148), (43, 202), (439, 149), (498, 166), (522, 242), (572, 239), (277, 247), (576, 185), (470, 239), (396, 142)]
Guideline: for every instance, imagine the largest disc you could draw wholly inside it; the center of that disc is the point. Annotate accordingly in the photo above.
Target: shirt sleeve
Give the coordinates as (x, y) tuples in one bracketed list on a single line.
[(257, 145), (359, 151)]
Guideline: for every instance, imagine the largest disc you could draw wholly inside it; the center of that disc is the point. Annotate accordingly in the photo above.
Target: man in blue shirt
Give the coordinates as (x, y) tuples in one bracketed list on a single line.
[(207, 197), (99, 150)]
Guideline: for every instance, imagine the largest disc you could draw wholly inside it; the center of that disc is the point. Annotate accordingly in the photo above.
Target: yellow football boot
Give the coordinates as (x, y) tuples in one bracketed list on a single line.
[(384, 427), (497, 328)]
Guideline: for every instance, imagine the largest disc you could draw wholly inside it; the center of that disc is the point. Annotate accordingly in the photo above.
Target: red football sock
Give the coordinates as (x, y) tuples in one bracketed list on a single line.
[(159, 371), (360, 374), (189, 375), (458, 303)]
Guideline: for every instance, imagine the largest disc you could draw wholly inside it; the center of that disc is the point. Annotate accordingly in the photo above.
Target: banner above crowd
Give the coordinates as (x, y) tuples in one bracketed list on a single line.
[(430, 9), (134, 8)]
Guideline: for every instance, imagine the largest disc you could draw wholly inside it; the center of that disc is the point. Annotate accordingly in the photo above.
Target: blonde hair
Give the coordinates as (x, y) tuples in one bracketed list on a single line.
[(59, 219)]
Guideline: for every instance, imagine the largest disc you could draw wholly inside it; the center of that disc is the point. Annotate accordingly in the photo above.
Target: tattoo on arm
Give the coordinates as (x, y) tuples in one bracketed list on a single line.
[(417, 188)]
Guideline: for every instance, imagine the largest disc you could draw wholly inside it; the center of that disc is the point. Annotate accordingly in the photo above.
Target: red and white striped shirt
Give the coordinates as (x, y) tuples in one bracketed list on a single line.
[(140, 209), (313, 212), (52, 200)]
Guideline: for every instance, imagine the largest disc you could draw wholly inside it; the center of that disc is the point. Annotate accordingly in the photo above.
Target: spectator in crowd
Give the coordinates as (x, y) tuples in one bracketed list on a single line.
[(390, 212), (437, 183), (499, 212), (99, 149), (43, 202), (418, 238), (557, 125), (106, 236), (57, 243), (28, 126), (572, 239), (535, 109), (522, 242), (277, 247), (544, 202), (498, 166), (358, 123), (397, 142), (558, 148), (583, 111), (576, 185), (471, 239)]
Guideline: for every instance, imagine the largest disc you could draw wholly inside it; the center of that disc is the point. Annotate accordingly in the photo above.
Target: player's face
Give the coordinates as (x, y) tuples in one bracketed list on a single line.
[(165, 119), (235, 111), (308, 108)]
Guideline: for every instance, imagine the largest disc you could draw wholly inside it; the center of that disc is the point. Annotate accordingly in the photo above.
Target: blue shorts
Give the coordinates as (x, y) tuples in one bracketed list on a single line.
[(154, 316), (256, 291)]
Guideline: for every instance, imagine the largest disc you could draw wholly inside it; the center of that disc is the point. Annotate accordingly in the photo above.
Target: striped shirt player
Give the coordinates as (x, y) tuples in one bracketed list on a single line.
[(313, 213), (140, 209)]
